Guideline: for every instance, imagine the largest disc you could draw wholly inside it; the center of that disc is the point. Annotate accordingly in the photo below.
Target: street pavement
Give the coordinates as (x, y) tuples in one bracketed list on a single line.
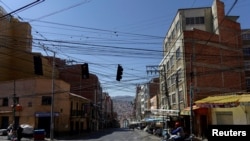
[(143, 135)]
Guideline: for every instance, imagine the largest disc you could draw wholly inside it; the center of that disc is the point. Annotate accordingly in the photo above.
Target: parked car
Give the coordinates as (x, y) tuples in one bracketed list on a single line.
[(28, 130), (3, 132)]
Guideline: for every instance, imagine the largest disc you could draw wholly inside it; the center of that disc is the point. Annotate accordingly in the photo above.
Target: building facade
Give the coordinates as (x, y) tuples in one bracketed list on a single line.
[(146, 99), (16, 45), (202, 57), (245, 35), (20, 65), (30, 101)]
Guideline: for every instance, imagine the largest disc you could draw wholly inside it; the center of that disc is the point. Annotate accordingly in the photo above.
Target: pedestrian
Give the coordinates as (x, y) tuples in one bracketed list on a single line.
[(19, 133), (178, 133)]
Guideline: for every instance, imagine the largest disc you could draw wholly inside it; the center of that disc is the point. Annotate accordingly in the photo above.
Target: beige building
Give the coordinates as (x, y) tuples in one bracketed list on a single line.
[(17, 60), (28, 76), (37, 97)]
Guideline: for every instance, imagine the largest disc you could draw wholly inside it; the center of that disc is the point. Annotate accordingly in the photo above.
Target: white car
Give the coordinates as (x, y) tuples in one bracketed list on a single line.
[(27, 129), (3, 132)]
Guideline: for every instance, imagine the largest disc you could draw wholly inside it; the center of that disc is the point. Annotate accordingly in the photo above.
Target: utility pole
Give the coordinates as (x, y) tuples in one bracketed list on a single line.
[(166, 86), (191, 95), (52, 100), (155, 69), (177, 93), (14, 108)]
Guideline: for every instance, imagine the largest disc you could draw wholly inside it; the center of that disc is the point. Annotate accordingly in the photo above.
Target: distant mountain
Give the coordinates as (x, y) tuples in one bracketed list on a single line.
[(123, 98)]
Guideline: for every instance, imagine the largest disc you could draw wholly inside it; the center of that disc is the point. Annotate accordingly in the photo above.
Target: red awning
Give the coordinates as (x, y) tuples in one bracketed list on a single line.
[(186, 111)]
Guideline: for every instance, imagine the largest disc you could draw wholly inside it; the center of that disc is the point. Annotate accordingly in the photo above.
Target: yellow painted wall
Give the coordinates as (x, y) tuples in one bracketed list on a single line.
[(16, 52)]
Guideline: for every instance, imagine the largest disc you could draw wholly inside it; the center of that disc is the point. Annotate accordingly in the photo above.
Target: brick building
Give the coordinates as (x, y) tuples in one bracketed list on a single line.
[(202, 57), (245, 34), (89, 88)]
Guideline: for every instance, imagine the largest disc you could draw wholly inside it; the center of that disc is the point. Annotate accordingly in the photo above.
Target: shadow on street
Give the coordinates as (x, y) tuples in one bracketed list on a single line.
[(96, 134)]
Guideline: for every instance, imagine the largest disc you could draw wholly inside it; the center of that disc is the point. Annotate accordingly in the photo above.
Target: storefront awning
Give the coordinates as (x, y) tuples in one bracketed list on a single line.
[(224, 101), (163, 112), (45, 114), (152, 119), (5, 112), (186, 111), (245, 100)]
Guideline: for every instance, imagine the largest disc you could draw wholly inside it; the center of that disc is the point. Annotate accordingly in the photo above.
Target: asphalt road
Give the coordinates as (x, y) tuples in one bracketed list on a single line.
[(115, 134)]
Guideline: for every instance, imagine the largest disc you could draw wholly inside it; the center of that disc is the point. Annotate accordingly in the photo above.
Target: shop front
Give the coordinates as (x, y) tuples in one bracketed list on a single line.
[(227, 109)]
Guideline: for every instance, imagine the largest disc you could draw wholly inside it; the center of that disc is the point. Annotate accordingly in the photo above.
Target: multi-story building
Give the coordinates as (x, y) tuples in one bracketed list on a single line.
[(245, 35), (146, 99), (31, 101), (20, 63), (89, 88), (137, 105), (107, 111), (202, 57)]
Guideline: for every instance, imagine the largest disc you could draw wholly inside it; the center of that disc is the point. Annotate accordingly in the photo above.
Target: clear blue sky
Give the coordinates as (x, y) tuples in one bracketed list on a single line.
[(105, 33)]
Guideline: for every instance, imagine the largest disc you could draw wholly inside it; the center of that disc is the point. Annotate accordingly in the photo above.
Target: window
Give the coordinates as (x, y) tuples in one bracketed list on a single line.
[(246, 36), (177, 26), (171, 61), (46, 100), (181, 96), (248, 82), (167, 66), (247, 65), (5, 101), (189, 21), (169, 81), (172, 79), (246, 51), (199, 20), (178, 53), (173, 98), (195, 20), (179, 73)]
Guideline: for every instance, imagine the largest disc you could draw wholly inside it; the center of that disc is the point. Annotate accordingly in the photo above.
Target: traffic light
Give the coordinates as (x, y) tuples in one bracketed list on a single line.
[(85, 71), (119, 72), (38, 65)]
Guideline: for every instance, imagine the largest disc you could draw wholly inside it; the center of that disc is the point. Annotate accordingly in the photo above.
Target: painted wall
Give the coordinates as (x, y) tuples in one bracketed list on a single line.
[(241, 114)]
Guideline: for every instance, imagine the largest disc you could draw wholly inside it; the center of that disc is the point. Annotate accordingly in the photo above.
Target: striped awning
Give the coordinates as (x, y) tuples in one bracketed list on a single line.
[(224, 101)]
